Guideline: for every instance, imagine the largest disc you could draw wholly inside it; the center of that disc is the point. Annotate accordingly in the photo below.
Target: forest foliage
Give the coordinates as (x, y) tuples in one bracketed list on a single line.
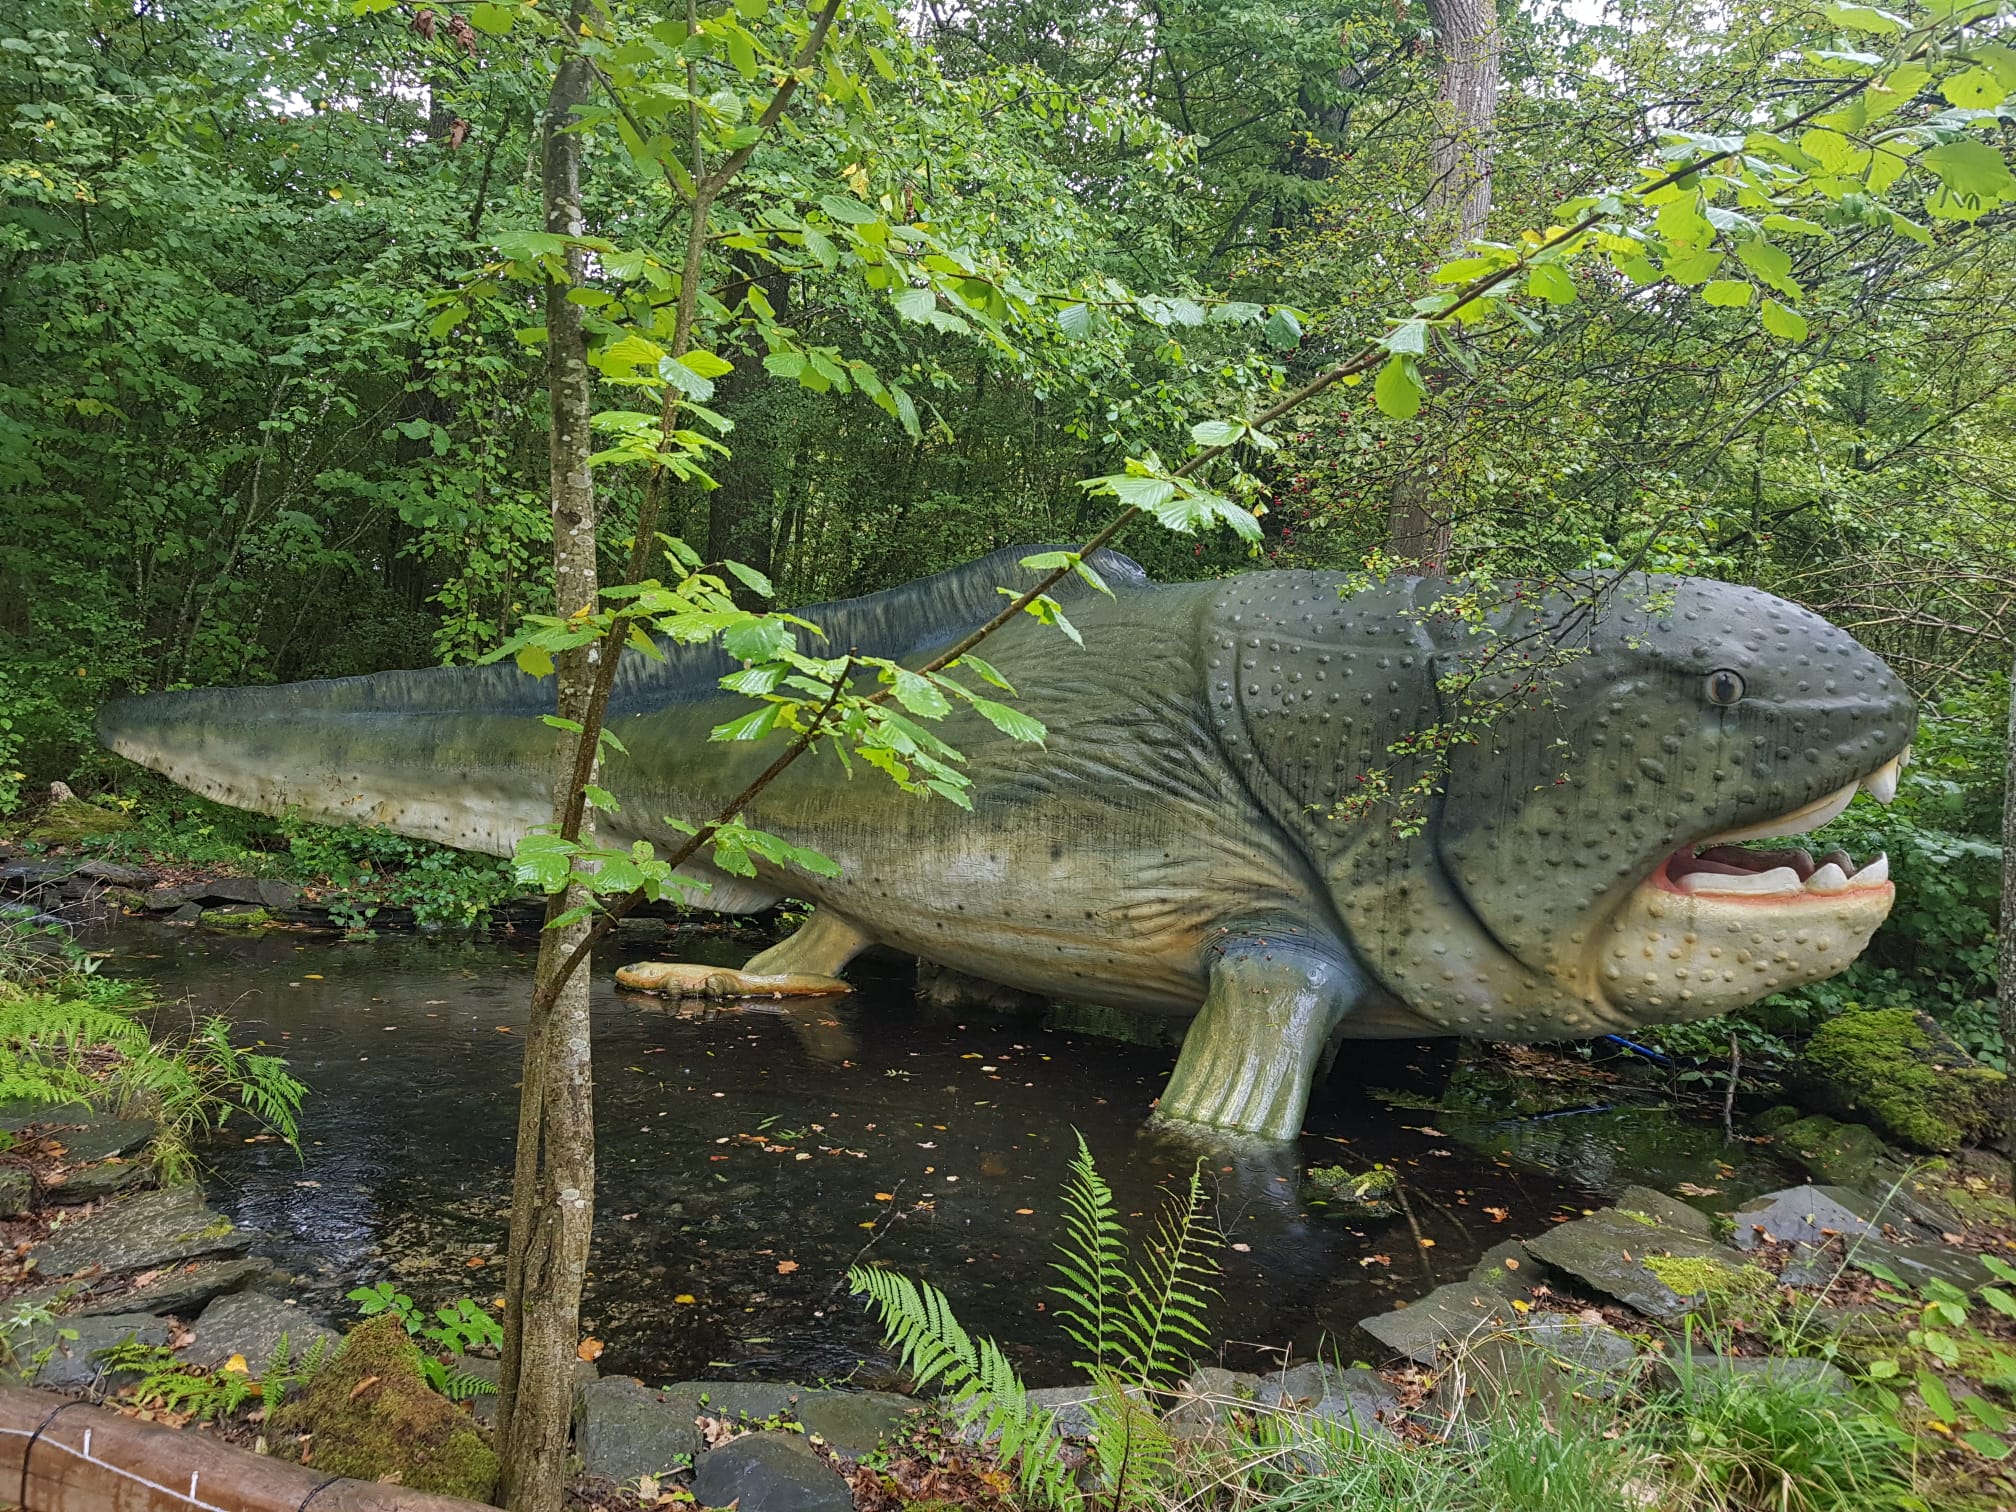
[(271, 374)]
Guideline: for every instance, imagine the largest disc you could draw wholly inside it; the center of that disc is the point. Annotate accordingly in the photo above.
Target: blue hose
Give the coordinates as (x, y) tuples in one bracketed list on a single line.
[(1645, 1050)]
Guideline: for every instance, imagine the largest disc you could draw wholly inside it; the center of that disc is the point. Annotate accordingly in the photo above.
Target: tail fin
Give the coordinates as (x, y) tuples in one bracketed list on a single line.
[(458, 754)]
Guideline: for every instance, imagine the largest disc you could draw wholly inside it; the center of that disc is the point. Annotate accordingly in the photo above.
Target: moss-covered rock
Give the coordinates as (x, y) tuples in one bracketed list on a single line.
[(71, 819), (373, 1415), (1900, 1071), (235, 917)]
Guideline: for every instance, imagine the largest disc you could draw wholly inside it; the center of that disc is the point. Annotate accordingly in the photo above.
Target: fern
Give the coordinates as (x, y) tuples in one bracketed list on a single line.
[(1093, 1263), (1163, 1316), (1138, 1327)]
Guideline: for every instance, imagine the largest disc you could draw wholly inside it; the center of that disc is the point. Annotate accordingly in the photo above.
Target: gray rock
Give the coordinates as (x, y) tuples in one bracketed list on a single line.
[(252, 1324), (93, 1183), (140, 1233), (1551, 1358), (114, 874), (17, 1114), (1213, 1395), (72, 1364), (1508, 1268), (1447, 1315), (188, 913), (1356, 1397), (1668, 1212), (623, 1429), (1069, 1404), (103, 1141), (17, 1191), (1608, 1250), (1915, 1264), (769, 1472), (1805, 1214), (484, 1407), (184, 1289), (854, 1422)]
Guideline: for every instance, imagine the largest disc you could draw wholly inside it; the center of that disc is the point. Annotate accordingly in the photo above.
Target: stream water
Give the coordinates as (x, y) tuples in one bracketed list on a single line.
[(748, 1155)]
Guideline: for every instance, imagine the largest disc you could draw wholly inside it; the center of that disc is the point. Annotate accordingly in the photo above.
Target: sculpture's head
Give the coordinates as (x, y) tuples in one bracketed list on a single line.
[(1603, 849)]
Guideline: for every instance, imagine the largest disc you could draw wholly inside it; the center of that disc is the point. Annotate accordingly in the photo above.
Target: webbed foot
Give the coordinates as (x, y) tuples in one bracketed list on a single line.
[(686, 979)]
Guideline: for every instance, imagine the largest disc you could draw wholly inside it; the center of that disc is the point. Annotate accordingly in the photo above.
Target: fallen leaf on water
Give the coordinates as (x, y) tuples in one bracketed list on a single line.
[(627, 1217), (503, 1028), (1689, 1189), (1375, 1259), (786, 1267), (1024, 1212), (869, 1224), (588, 1349), (885, 1196), (1427, 1243), (236, 1365), (1244, 1249), (1498, 1215), (475, 1262), (685, 1299), (311, 976)]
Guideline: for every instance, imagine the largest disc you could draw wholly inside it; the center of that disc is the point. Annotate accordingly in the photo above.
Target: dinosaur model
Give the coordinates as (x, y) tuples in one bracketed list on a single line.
[(1588, 764)]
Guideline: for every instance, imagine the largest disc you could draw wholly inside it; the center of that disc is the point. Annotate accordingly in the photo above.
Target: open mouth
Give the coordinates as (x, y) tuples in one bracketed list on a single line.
[(1721, 866)]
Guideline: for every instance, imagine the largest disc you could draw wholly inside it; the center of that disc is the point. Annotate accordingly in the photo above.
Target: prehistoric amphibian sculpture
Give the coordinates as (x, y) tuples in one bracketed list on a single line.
[(1185, 840)]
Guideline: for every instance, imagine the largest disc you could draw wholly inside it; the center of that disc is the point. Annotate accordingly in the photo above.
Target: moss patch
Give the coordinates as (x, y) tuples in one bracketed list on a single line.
[(1689, 1276), (72, 819), (1901, 1072), (373, 1415), (235, 918)]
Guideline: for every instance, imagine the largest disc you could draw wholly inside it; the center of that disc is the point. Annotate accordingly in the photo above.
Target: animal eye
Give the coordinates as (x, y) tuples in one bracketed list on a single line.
[(1724, 687)]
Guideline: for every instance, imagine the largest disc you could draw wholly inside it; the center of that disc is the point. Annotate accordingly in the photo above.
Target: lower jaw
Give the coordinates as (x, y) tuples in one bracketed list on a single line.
[(1668, 956)]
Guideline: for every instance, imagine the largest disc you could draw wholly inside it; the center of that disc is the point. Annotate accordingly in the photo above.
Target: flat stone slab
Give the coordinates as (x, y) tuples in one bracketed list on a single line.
[(1552, 1358), (623, 1429), (115, 874), (1213, 1395), (94, 1183), (1608, 1252), (252, 1324), (17, 1191), (72, 1364), (1334, 1394), (854, 1422), (1667, 1212), (103, 1141), (769, 1472), (1915, 1264), (1447, 1315), (141, 1233), (1805, 1215), (1777, 1370), (184, 1289), (1508, 1268)]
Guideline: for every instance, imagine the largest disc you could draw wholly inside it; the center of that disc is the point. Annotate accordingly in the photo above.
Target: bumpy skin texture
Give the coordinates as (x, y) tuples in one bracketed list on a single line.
[(1175, 844)]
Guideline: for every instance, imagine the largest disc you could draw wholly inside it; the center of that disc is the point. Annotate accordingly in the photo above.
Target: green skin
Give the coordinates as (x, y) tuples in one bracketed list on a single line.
[(1173, 845)]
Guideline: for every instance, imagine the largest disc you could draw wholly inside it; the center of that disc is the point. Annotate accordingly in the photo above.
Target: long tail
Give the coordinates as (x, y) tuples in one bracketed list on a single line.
[(458, 754)]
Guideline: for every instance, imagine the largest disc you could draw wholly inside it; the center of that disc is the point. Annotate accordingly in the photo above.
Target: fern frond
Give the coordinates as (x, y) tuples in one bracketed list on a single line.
[(1131, 1447), (1162, 1316), (1093, 1260), (917, 1319)]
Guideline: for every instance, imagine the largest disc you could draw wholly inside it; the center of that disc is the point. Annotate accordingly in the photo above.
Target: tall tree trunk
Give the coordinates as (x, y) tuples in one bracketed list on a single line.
[(1419, 525), (2005, 933), (553, 1188)]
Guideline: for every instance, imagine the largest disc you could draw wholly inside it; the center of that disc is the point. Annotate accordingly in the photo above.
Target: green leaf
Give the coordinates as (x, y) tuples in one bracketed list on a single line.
[(920, 695), (848, 212), (1552, 283), (1935, 1396), (494, 19), (1771, 264), (1986, 1413), (535, 661), (1409, 336), (600, 798), (750, 578), (675, 372), (1780, 321), (758, 639), (1399, 388), (1865, 18), (1694, 267), (1985, 1445), (906, 412), (1727, 293), (1976, 89), (987, 673), (1970, 170), (916, 304), (1010, 722), (1283, 330), (707, 364), (1217, 432), (2000, 1300), (571, 726), (785, 364), (749, 727), (1075, 321)]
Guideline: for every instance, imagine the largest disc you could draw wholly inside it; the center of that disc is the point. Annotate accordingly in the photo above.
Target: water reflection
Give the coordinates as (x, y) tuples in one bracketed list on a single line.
[(749, 1155)]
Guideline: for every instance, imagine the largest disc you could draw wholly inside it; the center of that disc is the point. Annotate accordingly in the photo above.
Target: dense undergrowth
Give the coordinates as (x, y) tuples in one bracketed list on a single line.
[(70, 1037)]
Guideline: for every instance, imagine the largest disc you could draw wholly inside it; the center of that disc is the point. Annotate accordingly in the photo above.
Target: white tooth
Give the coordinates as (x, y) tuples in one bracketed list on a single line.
[(1881, 784), (1780, 879), (1875, 872), (1798, 822), (1828, 879)]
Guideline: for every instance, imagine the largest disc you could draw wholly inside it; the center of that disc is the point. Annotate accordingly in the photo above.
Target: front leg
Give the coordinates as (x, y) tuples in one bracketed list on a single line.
[(1256, 1045), (807, 964)]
